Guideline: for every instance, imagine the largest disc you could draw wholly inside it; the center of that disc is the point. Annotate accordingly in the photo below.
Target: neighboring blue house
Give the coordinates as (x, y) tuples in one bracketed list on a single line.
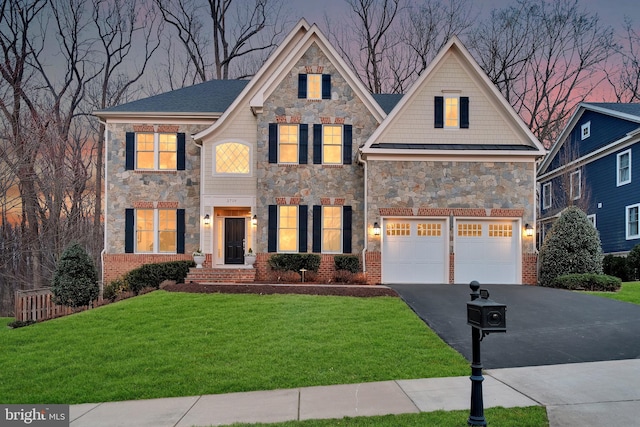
[(592, 166)]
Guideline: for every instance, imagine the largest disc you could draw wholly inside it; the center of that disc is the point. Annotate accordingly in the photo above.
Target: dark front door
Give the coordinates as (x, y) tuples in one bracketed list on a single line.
[(234, 240)]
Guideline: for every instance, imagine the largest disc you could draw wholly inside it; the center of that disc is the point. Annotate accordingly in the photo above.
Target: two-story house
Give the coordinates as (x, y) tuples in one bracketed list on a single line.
[(435, 186), (591, 166)]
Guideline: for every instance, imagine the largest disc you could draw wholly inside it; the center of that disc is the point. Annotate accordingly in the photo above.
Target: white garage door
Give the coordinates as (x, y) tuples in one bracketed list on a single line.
[(487, 251), (415, 251)]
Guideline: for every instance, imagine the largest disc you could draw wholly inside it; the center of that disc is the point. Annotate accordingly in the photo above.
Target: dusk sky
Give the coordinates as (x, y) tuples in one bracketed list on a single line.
[(612, 12)]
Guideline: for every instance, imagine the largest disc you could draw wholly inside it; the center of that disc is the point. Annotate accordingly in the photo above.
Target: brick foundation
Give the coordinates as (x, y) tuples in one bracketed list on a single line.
[(530, 269), (115, 265)]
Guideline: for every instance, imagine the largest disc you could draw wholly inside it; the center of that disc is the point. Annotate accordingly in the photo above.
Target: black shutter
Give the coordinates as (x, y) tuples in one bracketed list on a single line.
[(273, 143), (181, 229), (272, 245), (346, 229), (317, 229), (130, 151), (181, 161), (317, 144), (347, 137), (326, 86), (129, 221), (302, 228), (464, 112), (438, 106), (302, 86), (303, 142)]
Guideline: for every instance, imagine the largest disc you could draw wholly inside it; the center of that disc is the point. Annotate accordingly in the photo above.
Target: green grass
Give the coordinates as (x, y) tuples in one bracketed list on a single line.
[(629, 292), (533, 416), (176, 344)]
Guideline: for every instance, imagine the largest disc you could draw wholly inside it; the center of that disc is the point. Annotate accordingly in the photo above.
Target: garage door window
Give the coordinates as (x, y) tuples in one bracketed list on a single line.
[(500, 230), (399, 229), (430, 229), (469, 230)]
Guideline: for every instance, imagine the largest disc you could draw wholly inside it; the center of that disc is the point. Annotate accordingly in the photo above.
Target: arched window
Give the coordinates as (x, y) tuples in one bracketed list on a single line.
[(232, 158)]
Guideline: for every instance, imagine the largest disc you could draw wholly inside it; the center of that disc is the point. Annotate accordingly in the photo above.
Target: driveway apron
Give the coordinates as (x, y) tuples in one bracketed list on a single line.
[(544, 326)]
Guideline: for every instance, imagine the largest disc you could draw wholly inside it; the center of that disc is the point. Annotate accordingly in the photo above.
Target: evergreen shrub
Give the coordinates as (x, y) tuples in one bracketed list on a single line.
[(295, 262), (75, 281), (350, 263), (587, 282), (151, 275)]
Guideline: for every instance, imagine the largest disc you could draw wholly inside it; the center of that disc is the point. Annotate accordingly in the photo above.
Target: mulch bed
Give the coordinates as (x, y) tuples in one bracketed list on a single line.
[(265, 289)]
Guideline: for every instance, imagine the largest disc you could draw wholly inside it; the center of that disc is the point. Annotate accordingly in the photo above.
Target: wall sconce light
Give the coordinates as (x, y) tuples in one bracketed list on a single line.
[(254, 220), (376, 229), (207, 219), (528, 230)]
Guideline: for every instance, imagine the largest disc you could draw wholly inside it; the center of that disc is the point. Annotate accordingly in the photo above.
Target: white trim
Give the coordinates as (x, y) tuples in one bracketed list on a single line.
[(444, 111), (592, 218), (573, 174), (297, 216), (585, 130), (156, 230), (341, 229), (626, 222), (544, 194), (618, 156)]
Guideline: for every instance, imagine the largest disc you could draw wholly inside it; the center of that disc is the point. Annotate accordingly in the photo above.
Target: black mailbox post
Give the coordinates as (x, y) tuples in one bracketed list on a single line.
[(484, 316)]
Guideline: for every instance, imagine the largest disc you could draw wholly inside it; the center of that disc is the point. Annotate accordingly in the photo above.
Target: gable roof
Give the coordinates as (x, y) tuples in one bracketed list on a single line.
[(210, 98), (275, 68), (527, 145), (624, 111)]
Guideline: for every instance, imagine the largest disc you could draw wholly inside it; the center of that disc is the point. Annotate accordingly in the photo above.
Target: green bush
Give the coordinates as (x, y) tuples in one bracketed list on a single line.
[(617, 266), (75, 281), (572, 246), (295, 262), (350, 263), (151, 275), (633, 262), (587, 282), (115, 288)]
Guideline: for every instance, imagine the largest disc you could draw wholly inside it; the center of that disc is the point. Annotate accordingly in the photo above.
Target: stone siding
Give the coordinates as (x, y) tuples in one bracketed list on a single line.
[(312, 183)]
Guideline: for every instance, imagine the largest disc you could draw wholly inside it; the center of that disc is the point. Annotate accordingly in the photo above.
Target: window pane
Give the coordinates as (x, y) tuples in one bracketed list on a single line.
[(144, 151), (332, 144), (144, 230), (451, 112), (232, 158), (624, 169), (314, 86), (633, 221), (167, 230), (288, 152), (331, 228), (288, 228), (167, 151)]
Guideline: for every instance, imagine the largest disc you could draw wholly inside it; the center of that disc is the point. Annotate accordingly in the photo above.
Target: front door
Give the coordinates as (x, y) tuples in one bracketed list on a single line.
[(234, 241)]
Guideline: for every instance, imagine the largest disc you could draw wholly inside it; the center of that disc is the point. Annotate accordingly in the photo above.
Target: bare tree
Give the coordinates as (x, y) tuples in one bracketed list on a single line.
[(218, 34), (543, 56), (624, 78)]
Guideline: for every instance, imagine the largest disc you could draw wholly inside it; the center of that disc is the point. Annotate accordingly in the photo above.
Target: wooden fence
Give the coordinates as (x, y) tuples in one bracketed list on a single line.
[(38, 305)]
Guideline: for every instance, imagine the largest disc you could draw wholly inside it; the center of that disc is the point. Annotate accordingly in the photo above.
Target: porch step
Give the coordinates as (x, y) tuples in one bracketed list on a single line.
[(221, 275)]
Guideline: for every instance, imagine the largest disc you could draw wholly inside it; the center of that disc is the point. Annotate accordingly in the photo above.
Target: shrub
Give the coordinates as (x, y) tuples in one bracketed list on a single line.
[(572, 246), (295, 262), (151, 275), (115, 289), (21, 323), (284, 277), (633, 262), (75, 281), (617, 266), (587, 282), (349, 263)]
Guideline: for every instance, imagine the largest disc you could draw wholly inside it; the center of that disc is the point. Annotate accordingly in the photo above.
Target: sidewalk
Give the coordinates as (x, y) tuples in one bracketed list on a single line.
[(585, 394)]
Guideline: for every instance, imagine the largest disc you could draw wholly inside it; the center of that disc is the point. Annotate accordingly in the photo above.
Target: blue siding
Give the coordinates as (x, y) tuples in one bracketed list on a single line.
[(604, 130), (600, 177)]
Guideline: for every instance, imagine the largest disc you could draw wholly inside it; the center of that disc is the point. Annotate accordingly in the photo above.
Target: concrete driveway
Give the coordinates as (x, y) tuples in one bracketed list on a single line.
[(544, 326)]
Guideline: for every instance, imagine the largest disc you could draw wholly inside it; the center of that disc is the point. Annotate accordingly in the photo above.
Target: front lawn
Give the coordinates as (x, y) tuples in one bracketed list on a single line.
[(629, 292), (176, 344)]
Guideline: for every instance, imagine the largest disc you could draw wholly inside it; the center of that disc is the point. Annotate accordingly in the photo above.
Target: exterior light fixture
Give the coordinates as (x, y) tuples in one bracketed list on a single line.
[(376, 229), (207, 219), (528, 230), (254, 220)]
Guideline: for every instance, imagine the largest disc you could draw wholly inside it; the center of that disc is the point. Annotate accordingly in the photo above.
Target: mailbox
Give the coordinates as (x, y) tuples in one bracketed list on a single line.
[(486, 314)]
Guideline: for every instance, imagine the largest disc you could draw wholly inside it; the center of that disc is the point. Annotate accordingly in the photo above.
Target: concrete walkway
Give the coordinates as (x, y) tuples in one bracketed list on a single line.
[(585, 394)]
